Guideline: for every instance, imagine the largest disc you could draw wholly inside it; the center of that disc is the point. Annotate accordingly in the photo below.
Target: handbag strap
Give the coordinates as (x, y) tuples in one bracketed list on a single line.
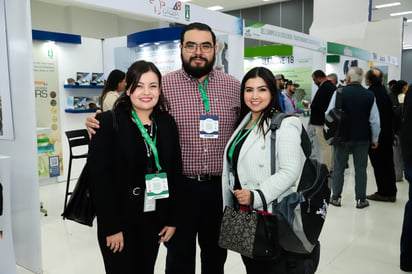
[(262, 197)]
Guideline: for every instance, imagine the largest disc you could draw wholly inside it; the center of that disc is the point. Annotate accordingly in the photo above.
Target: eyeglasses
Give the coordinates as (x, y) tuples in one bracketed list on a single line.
[(204, 47)]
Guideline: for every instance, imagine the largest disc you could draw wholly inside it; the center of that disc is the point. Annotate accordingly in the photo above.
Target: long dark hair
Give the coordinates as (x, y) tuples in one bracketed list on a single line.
[(274, 105), (133, 75), (112, 82)]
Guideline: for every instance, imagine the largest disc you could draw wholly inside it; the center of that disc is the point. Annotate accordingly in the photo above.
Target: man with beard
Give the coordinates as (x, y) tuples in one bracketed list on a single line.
[(205, 104), (289, 98), (200, 95)]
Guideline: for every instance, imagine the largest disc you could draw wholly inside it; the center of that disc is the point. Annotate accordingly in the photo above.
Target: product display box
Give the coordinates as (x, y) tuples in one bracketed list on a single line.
[(97, 79), (83, 78), (83, 103)]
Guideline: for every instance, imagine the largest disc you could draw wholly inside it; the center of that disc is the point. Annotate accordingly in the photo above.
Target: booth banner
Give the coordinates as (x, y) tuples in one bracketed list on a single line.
[(46, 92), (386, 59), (284, 36), (6, 118), (349, 51), (297, 68), (342, 68)]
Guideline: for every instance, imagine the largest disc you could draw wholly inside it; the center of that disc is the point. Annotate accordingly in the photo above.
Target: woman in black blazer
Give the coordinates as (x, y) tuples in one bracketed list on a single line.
[(138, 140)]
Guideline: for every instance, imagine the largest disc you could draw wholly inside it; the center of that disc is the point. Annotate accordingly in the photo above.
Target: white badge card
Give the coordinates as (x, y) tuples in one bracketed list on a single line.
[(156, 186), (209, 126), (149, 205)]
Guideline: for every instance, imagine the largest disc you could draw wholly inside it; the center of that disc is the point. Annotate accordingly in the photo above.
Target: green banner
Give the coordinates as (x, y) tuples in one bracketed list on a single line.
[(334, 48)]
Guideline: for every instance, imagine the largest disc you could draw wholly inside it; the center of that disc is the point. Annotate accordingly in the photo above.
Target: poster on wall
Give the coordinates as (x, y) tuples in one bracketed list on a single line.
[(6, 117), (297, 68), (46, 92)]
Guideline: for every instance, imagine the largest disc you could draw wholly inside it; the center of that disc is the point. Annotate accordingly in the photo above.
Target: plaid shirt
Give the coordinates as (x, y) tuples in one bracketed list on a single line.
[(199, 155)]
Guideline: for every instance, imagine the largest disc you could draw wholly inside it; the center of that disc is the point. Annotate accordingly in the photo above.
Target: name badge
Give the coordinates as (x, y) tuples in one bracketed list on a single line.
[(156, 186), (209, 126), (149, 205)]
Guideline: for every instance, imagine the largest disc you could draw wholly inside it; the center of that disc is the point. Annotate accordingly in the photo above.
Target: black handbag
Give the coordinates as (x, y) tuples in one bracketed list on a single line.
[(250, 233), (80, 207)]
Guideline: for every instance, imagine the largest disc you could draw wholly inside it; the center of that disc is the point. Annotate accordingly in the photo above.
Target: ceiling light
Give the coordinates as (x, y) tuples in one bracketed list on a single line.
[(401, 13), (409, 20), (185, 0), (388, 5), (215, 8)]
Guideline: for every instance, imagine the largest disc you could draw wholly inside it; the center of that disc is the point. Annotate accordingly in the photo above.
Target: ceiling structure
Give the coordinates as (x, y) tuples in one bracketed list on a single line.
[(228, 5)]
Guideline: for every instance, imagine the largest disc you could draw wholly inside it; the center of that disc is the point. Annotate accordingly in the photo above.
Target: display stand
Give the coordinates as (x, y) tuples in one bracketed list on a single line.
[(8, 261)]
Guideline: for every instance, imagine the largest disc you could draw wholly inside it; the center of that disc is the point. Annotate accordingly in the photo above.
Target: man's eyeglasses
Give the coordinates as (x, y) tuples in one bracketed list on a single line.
[(204, 47)]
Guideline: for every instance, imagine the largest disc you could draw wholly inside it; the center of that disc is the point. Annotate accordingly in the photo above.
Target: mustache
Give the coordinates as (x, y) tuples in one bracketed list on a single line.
[(199, 57)]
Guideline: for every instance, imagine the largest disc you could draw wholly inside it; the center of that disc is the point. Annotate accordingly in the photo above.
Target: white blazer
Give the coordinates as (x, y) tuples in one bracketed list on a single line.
[(254, 167)]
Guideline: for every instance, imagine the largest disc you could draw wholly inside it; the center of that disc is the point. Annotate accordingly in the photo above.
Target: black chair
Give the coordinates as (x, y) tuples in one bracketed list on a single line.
[(76, 138)]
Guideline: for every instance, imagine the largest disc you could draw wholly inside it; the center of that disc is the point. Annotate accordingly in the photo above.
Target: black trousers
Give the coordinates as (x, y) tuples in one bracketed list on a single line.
[(382, 161), (202, 206), (139, 253), (287, 263)]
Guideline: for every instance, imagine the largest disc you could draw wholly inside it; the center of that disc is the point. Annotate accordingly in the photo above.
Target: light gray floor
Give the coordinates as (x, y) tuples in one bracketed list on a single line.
[(355, 241)]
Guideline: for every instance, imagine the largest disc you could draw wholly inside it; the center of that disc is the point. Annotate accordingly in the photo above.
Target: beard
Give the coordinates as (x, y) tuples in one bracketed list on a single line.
[(195, 71)]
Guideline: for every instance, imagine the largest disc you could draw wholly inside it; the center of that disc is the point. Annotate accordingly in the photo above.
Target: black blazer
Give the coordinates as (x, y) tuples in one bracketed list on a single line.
[(320, 103), (118, 164), (385, 113)]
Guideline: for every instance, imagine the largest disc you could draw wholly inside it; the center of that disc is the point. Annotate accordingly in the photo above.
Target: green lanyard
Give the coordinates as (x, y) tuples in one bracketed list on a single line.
[(239, 138), (149, 140), (204, 95)]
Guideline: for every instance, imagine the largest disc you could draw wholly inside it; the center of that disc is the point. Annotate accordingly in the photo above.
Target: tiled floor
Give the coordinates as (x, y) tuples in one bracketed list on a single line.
[(355, 241)]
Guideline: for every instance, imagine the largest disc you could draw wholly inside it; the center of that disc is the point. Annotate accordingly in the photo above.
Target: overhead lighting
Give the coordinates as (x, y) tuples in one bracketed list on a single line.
[(409, 20), (401, 13), (215, 8), (185, 0), (407, 47), (388, 5)]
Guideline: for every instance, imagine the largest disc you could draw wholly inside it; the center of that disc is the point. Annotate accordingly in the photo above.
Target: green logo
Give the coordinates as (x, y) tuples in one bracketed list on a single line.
[(187, 12)]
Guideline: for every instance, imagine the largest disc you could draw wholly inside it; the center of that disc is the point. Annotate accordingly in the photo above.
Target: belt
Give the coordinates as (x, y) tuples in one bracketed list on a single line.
[(202, 177)]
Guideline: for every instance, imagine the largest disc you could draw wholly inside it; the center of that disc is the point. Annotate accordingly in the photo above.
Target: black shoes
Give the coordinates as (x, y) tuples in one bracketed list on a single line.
[(381, 198), (335, 201), (362, 203)]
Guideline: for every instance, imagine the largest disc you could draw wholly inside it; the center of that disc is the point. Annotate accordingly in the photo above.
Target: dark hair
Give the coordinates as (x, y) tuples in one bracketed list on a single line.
[(397, 88), (319, 74), (274, 104), (112, 82), (197, 26), (392, 82), (380, 76), (133, 75), (372, 77)]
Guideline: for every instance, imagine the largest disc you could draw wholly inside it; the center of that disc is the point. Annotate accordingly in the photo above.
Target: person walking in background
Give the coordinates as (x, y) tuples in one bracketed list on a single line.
[(318, 108), (206, 104), (382, 157), (124, 156), (114, 86), (361, 129), (406, 145), (247, 166)]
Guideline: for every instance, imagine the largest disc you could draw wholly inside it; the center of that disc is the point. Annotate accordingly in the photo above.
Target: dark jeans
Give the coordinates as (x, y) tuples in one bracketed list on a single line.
[(287, 263), (406, 237), (201, 217), (383, 168), (360, 161)]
